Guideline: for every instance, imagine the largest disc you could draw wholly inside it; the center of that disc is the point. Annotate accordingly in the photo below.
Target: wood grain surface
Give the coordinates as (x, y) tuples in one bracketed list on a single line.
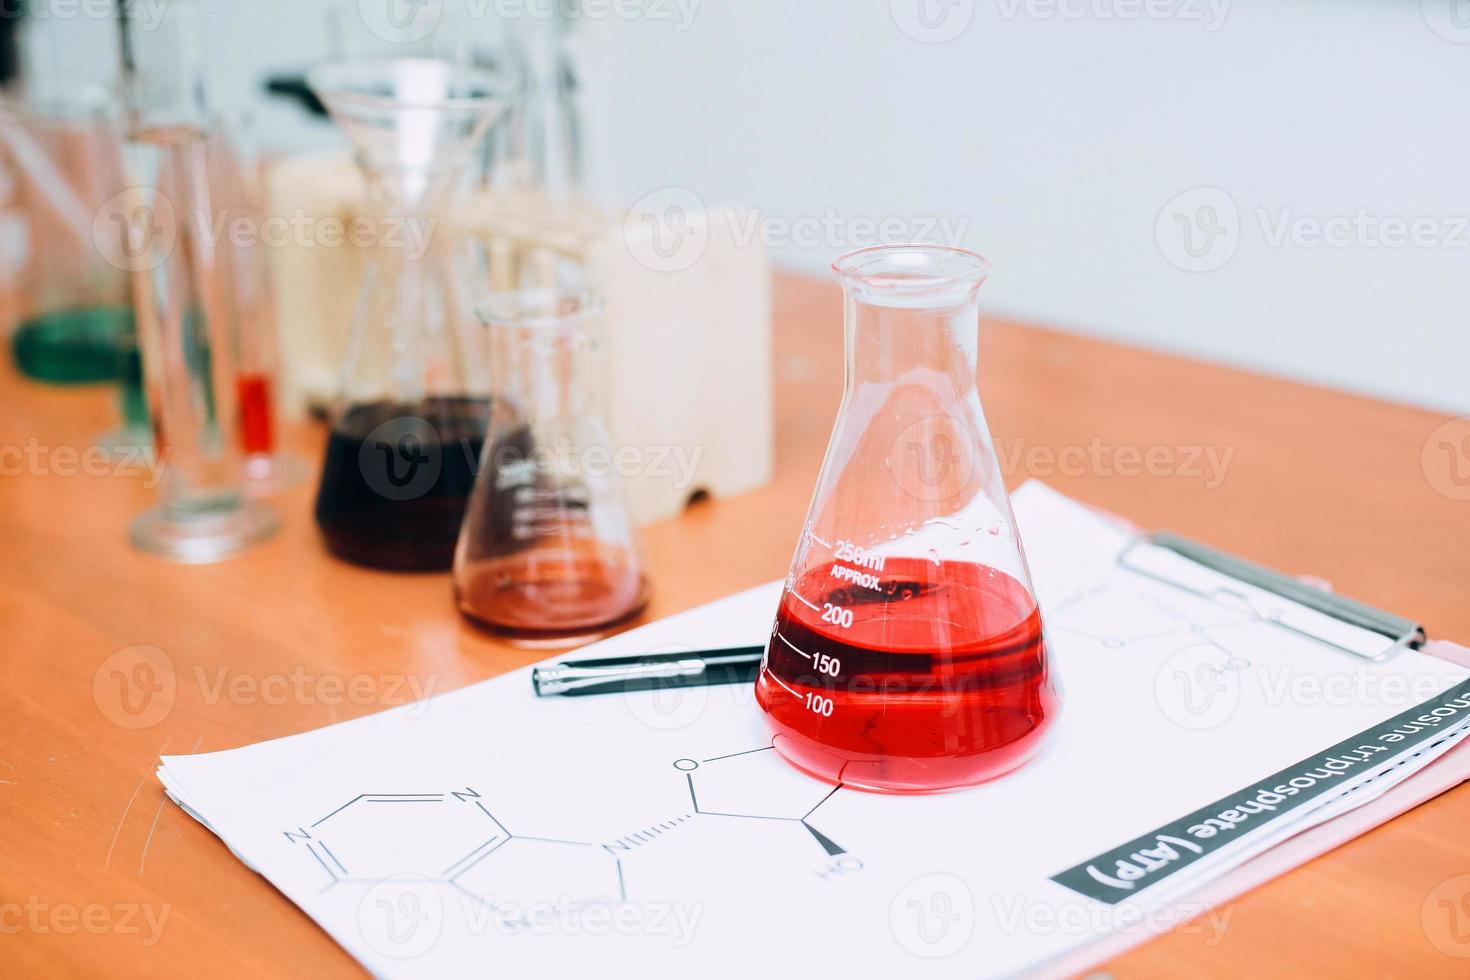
[(99, 873)]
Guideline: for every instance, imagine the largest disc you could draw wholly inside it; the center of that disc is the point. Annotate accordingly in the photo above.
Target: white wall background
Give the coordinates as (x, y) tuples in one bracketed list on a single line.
[(1053, 134)]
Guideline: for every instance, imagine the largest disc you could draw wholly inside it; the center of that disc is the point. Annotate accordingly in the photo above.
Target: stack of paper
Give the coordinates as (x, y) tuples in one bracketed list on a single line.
[(657, 833)]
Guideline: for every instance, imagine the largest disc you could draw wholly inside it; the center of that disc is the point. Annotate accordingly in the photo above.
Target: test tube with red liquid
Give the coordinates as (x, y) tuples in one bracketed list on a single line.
[(235, 176), (908, 653)]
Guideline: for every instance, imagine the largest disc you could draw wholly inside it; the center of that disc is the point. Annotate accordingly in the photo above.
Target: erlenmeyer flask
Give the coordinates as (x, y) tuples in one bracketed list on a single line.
[(410, 424), (548, 550), (908, 654)]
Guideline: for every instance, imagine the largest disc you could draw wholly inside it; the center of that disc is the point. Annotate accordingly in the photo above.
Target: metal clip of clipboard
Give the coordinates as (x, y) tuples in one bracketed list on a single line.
[(1346, 624)]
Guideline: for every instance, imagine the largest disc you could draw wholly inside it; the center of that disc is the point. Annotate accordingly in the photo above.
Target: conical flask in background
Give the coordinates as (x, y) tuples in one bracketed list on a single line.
[(548, 553), (410, 423), (908, 653)]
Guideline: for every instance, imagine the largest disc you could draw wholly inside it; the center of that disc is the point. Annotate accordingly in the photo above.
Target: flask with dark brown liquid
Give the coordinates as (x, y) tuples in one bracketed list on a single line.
[(408, 431)]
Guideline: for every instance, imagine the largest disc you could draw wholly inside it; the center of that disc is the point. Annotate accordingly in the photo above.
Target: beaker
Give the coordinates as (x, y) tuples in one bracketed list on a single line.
[(410, 420), (908, 653), (64, 143), (548, 550)]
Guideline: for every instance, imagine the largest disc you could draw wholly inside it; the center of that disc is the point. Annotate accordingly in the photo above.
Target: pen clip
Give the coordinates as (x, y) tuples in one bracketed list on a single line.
[(565, 678)]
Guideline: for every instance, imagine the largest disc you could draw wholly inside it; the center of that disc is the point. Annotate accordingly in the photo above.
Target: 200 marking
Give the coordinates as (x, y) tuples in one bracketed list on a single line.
[(836, 615)]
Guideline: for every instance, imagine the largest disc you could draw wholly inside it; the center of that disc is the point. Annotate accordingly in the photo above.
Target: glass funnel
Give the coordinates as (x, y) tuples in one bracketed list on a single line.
[(409, 425), (548, 550), (908, 653)]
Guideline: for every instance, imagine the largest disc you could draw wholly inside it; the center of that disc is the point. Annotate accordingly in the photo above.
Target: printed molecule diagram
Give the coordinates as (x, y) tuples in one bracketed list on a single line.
[(454, 838), (1115, 618), (716, 790), (1199, 682)]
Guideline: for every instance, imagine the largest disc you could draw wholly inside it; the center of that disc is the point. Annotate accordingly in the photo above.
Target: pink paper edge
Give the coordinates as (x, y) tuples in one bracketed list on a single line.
[(1440, 776)]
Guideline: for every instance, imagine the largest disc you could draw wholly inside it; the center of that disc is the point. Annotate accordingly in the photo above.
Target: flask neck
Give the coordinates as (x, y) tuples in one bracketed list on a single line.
[(411, 193), (549, 374), (912, 314), (887, 344), (543, 351)]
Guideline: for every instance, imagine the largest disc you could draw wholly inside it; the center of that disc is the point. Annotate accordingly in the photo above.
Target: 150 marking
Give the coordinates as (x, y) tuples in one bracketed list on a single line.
[(854, 557), (826, 664), (822, 663)]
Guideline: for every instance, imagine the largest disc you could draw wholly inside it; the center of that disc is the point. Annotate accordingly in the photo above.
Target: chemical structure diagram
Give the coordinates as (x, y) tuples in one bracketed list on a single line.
[(716, 801), (1200, 681), (454, 838), (1114, 618)]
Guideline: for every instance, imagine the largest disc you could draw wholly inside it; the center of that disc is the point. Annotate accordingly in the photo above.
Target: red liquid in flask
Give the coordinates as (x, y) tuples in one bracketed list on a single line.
[(530, 596), (256, 437), (924, 676)]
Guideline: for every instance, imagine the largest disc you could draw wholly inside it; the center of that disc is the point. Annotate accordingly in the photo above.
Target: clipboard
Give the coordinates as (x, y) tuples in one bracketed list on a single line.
[(1273, 597)]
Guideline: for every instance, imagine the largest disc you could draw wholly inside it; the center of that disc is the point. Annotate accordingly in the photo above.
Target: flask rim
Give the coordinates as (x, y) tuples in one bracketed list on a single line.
[(912, 267), (546, 308), (364, 83)]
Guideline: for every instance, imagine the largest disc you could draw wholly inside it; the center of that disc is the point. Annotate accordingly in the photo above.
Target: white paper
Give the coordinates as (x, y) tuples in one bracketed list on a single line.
[(492, 831)]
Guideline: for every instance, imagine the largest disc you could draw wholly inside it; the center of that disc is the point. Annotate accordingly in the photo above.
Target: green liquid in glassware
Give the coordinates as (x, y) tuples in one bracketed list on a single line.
[(78, 346)]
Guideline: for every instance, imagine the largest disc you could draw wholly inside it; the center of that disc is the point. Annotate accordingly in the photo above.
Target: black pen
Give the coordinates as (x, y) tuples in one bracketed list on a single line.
[(642, 672)]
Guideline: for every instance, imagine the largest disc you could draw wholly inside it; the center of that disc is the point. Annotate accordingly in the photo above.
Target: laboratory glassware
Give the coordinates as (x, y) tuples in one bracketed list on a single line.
[(410, 420), (543, 147), (183, 315), (907, 653), (452, 32), (234, 175), (548, 550), (64, 143)]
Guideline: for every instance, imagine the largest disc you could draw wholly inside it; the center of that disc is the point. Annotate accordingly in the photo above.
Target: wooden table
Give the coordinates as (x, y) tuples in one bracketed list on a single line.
[(90, 848)]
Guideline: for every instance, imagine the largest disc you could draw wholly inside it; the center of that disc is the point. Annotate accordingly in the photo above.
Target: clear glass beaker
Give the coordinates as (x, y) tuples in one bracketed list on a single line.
[(75, 313), (548, 550), (411, 418), (908, 653)]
